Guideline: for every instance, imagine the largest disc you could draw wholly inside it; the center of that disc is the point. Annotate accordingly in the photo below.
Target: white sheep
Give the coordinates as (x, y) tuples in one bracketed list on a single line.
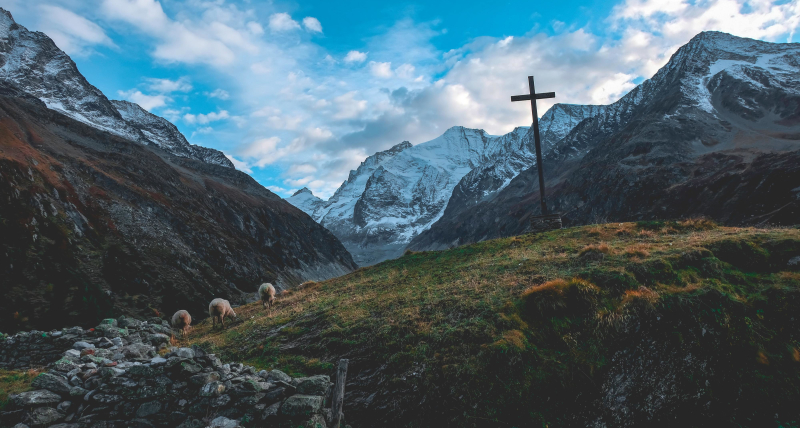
[(218, 309), (267, 293), (182, 321)]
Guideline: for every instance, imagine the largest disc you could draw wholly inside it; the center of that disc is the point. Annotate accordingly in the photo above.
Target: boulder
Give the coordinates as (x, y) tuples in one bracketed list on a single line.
[(45, 416), (204, 378), (82, 345), (148, 408), (212, 389), (158, 339), (277, 375), (314, 385), (41, 397), (52, 383), (301, 405), (223, 422), (185, 353)]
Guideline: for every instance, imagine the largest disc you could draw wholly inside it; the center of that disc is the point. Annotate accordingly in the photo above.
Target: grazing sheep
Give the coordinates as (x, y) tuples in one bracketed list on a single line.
[(182, 321), (267, 293), (218, 309)]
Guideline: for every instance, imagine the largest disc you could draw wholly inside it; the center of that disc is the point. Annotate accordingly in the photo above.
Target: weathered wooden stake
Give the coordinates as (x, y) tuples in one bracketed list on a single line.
[(337, 401)]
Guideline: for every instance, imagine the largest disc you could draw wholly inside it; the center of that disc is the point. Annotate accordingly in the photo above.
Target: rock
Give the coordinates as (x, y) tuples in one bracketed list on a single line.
[(204, 378), (144, 371), (316, 421), (199, 352), (212, 389), (185, 353), (277, 375), (21, 426), (147, 409), (158, 361), (64, 365), (223, 422), (275, 394), (794, 262), (64, 406), (109, 321), (82, 345), (301, 405), (158, 339), (314, 385), (263, 374), (41, 397), (214, 361), (187, 368), (45, 416), (72, 353), (52, 383), (221, 400), (271, 411), (77, 391)]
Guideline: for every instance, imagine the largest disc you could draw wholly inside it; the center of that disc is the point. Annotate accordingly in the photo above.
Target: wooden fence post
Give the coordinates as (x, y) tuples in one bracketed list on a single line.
[(337, 401)]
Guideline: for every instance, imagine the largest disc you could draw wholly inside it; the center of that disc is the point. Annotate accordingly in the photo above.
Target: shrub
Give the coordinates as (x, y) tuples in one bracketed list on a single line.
[(742, 254), (560, 297)]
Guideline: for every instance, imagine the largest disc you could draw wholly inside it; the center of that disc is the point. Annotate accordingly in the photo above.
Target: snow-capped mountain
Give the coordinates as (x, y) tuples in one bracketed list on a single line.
[(305, 200), (396, 194), (715, 132), (31, 62)]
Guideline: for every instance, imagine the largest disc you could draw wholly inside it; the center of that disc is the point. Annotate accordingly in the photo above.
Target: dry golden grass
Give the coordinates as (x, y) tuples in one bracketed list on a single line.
[(639, 250), (14, 382)]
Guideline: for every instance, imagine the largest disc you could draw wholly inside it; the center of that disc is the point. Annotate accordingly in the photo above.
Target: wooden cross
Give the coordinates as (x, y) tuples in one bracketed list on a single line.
[(533, 96)]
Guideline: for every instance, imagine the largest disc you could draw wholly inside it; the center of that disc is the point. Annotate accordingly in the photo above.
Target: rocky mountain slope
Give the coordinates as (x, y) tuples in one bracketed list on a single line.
[(94, 223), (398, 193), (716, 132), (31, 62)]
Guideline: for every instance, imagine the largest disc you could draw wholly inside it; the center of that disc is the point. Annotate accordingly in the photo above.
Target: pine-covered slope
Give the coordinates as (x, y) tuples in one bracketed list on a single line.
[(716, 132)]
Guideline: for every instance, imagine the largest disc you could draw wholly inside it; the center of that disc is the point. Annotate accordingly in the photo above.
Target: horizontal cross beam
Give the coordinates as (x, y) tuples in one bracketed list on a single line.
[(543, 95)]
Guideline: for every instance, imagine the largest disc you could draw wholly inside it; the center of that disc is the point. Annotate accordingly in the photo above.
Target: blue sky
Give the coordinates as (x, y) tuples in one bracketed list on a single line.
[(299, 93)]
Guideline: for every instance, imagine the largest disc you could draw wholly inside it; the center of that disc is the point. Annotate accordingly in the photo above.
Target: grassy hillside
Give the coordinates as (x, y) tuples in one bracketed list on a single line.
[(652, 323)]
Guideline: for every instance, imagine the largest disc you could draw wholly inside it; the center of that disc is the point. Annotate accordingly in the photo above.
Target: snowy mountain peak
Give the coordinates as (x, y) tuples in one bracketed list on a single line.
[(303, 190), (31, 62)]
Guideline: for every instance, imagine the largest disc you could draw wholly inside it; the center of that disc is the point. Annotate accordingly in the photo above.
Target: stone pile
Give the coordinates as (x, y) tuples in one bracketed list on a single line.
[(115, 377)]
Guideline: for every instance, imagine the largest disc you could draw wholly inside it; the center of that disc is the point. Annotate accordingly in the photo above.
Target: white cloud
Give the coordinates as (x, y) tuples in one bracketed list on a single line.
[(204, 119), (240, 165), (147, 102), (312, 24), (219, 93), (71, 32), (166, 86), (282, 22), (348, 107), (255, 28), (301, 169), (405, 71), (355, 56), (177, 41), (282, 191), (381, 69)]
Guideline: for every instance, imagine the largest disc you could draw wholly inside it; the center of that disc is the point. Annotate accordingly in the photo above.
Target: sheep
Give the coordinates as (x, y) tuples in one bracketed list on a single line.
[(182, 321), (267, 293), (218, 309)]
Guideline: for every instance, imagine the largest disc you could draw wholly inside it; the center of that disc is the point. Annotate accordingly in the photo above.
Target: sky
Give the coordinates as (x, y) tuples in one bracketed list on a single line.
[(298, 93)]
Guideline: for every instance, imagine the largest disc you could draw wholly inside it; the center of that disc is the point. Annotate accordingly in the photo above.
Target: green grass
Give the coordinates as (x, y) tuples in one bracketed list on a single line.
[(14, 382), (513, 331)]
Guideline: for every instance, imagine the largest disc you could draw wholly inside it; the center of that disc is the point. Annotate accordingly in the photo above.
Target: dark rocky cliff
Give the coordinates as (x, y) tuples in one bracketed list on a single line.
[(94, 224)]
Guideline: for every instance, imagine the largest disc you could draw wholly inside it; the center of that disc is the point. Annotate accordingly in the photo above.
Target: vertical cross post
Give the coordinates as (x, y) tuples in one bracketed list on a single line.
[(538, 143), (337, 400), (533, 96)]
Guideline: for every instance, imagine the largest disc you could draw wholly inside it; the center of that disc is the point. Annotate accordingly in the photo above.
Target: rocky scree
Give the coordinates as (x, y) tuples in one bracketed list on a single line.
[(113, 376)]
